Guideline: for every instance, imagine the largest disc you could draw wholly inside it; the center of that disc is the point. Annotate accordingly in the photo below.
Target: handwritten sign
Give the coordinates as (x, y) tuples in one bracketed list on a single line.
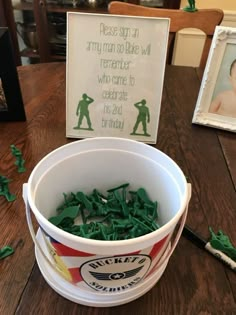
[(115, 70)]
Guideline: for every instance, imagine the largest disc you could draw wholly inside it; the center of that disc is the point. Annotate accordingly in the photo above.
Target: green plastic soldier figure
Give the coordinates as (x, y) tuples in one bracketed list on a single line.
[(143, 117), (19, 160), (82, 111), (4, 190), (221, 242), (191, 7)]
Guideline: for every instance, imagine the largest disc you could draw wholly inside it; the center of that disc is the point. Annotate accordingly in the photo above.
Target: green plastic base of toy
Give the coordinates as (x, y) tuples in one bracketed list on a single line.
[(8, 196), (188, 9)]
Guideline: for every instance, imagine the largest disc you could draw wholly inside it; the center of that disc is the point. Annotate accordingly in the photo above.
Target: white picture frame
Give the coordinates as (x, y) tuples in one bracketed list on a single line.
[(115, 66), (216, 105)]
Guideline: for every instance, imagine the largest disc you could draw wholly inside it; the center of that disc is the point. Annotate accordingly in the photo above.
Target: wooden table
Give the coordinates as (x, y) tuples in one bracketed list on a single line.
[(194, 281)]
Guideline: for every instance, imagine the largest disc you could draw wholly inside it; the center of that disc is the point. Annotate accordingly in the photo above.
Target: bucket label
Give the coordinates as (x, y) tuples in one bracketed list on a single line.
[(99, 273)]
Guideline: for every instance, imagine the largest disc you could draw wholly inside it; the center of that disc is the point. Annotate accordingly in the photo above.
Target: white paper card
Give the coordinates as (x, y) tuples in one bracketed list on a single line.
[(115, 71)]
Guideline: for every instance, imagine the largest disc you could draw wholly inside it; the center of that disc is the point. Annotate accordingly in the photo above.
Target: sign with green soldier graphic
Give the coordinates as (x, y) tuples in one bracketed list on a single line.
[(115, 72)]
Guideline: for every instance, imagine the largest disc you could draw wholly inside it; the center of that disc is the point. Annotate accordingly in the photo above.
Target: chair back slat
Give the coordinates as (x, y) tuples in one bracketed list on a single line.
[(204, 19)]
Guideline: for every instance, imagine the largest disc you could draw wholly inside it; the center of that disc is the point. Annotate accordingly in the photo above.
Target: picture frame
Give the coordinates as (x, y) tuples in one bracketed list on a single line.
[(11, 103), (216, 103)]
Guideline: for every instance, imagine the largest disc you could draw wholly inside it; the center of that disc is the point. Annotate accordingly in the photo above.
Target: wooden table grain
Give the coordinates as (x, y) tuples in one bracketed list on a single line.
[(194, 282)]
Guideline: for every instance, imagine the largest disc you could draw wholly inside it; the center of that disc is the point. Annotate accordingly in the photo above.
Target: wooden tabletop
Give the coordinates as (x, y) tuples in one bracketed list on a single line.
[(194, 282)]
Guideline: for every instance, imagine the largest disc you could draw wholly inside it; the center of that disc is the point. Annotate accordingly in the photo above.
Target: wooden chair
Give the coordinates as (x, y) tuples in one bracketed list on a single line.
[(205, 20)]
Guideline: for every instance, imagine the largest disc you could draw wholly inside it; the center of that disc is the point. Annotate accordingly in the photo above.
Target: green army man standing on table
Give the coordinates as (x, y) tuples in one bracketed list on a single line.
[(19, 159), (191, 7), (143, 117), (82, 111), (4, 190)]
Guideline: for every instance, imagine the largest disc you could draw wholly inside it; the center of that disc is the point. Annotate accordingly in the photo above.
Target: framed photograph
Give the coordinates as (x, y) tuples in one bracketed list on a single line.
[(115, 72), (216, 104), (11, 103)]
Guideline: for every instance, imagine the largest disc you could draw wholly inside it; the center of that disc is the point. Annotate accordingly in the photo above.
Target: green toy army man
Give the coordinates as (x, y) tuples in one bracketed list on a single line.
[(221, 242), (4, 190), (191, 7), (82, 111), (143, 117), (19, 160)]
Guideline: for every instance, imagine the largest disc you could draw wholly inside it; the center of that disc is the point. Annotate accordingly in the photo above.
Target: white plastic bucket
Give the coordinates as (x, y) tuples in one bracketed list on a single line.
[(105, 273)]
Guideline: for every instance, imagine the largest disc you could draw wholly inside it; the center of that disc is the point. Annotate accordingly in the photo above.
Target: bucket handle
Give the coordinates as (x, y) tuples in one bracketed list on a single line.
[(34, 238), (54, 266), (182, 220)]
